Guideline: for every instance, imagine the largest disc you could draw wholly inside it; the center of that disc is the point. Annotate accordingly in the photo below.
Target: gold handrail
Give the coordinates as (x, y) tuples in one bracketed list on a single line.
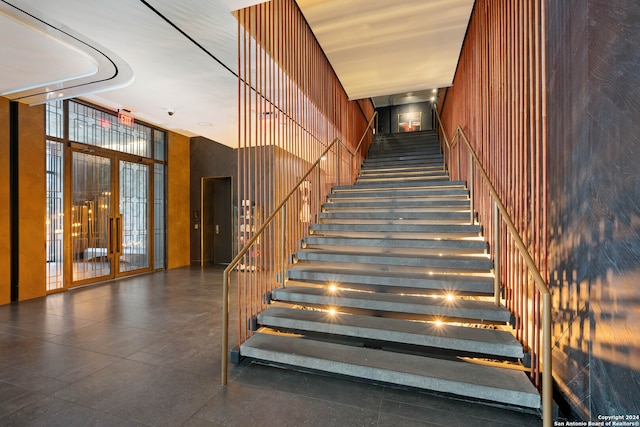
[(245, 249), (375, 115), (547, 380)]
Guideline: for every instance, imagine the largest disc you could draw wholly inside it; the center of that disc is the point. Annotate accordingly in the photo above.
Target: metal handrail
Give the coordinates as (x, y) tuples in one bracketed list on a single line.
[(375, 115), (256, 236), (547, 380)]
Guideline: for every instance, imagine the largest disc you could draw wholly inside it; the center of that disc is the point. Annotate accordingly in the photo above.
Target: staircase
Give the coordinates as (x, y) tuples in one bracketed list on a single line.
[(394, 285)]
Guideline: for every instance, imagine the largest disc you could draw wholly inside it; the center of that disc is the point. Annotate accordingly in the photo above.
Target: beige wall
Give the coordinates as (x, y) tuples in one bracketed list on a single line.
[(178, 209), (5, 241)]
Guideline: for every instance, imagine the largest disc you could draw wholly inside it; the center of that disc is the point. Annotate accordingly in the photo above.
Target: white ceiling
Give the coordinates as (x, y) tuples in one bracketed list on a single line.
[(152, 56)]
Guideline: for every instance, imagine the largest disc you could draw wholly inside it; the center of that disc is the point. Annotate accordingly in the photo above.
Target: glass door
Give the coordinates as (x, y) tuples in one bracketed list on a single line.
[(134, 215), (109, 229), (91, 218)]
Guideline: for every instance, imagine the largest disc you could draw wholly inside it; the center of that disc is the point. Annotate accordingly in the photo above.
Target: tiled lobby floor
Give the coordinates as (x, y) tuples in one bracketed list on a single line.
[(145, 351)]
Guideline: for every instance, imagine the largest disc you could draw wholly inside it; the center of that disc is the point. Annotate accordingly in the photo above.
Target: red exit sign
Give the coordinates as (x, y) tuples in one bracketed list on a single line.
[(125, 118)]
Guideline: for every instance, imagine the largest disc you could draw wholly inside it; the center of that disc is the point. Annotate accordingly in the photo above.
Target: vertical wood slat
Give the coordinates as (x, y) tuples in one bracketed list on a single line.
[(291, 107), (498, 99)]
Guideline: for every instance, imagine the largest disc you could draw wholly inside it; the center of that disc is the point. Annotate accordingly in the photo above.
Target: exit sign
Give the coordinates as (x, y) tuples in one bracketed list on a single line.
[(125, 118)]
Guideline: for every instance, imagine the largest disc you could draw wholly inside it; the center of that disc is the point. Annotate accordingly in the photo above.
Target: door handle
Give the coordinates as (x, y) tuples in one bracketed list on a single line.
[(217, 229), (111, 235), (118, 235)]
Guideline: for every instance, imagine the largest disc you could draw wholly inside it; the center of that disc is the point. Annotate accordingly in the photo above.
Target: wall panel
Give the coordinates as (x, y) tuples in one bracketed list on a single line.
[(32, 193), (594, 211), (5, 231), (178, 207)]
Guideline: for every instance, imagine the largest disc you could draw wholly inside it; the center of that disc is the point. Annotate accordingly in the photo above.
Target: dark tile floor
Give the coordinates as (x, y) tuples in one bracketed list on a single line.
[(146, 351)]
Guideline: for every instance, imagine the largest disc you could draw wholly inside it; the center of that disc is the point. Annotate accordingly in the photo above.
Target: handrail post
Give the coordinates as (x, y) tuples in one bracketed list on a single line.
[(319, 201), (350, 169), (458, 148), (471, 205), (339, 164), (496, 253), (225, 327), (547, 377), (283, 243)]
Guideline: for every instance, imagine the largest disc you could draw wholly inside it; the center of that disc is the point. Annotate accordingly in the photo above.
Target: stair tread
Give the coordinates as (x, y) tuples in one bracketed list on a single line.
[(443, 228), (394, 303), (462, 378), (470, 339), (394, 185), (398, 243), (462, 261), (341, 271)]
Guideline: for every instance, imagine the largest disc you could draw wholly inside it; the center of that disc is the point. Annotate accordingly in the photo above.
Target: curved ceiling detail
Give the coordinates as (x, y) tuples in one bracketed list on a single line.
[(49, 61)]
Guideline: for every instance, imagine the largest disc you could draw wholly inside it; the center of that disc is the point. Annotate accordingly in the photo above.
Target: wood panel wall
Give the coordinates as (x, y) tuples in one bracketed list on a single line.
[(32, 193), (5, 217), (178, 199), (291, 108), (567, 169), (498, 100)]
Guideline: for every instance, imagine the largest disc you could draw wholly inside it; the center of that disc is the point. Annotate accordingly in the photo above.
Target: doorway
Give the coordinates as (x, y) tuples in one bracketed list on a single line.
[(216, 235), (110, 214)]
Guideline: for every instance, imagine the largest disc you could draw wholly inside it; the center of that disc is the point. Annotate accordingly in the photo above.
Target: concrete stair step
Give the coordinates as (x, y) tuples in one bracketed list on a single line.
[(334, 230), (455, 192), (459, 246), (403, 178), (434, 208), (395, 204), (356, 198), (466, 263), (366, 219), (401, 147), (493, 342), (391, 175), (440, 229), (393, 161), (422, 156), (388, 144), (402, 169), (393, 214), (414, 184), (412, 306), (446, 376), (389, 282), (444, 185), (405, 194)]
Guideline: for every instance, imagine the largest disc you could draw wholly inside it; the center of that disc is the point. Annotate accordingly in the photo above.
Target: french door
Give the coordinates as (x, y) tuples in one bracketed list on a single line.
[(110, 215)]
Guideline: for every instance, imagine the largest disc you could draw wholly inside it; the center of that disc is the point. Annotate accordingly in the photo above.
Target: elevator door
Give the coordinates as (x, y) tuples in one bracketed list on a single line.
[(217, 237), (110, 216)]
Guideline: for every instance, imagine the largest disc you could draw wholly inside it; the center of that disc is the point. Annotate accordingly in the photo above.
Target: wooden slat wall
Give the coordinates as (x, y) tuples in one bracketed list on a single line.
[(291, 107), (498, 99)]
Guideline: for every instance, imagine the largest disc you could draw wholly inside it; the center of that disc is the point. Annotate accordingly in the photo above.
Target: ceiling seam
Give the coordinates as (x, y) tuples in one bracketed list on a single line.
[(191, 39)]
